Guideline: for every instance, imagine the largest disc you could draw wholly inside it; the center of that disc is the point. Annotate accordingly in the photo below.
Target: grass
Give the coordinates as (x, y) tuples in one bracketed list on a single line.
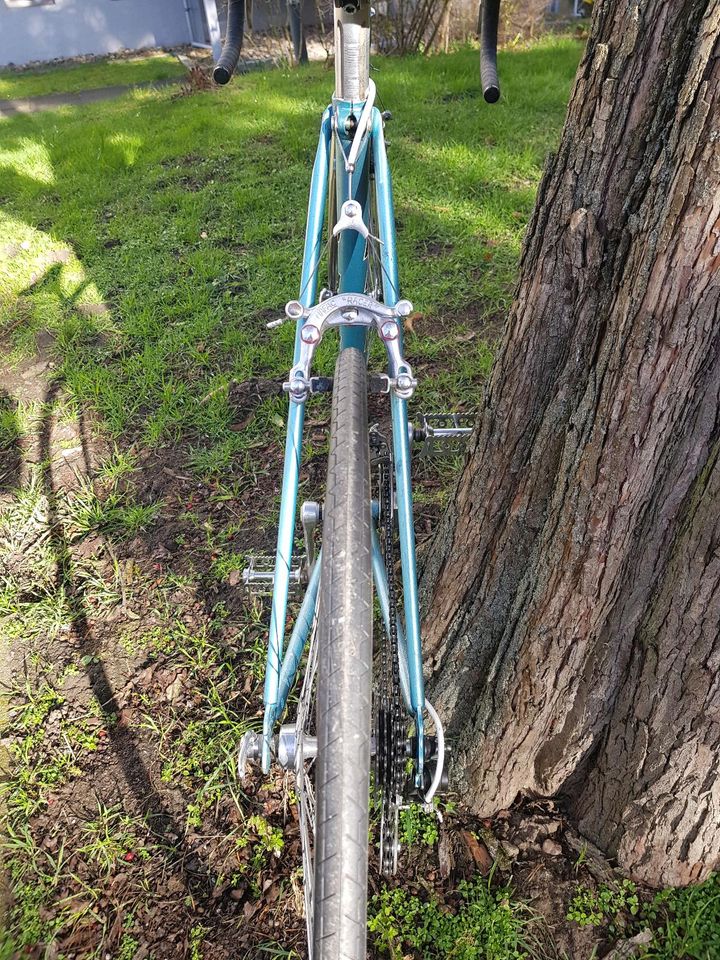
[(86, 76), (156, 236)]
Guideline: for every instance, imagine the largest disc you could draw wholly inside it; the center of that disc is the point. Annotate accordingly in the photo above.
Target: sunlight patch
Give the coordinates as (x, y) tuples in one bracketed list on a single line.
[(28, 255), (127, 146), (29, 159)]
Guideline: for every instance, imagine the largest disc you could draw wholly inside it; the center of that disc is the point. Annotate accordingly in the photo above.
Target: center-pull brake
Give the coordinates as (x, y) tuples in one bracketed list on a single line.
[(351, 310)]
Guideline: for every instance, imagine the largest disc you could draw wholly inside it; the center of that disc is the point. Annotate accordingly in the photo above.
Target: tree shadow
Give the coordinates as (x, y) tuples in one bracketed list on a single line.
[(146, 797), (11, 456)]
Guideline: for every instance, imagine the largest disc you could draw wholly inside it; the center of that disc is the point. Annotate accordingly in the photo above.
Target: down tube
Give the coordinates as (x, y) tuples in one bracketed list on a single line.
[(293, 443), (401, 440)]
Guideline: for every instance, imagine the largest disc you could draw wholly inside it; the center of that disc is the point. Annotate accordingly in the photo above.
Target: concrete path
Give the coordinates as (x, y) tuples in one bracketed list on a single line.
[(51, 101)]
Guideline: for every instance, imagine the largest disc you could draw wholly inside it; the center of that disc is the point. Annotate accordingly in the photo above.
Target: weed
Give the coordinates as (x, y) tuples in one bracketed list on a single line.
[(48, 746), (581, 858), (685, 922), (273, 950), (113, 836), (197, 937), (589, 908), (197, 744), (114, 512), (225, 563), (259, 841), (488, 923), (10, 429), (417, 826), (127, 947)]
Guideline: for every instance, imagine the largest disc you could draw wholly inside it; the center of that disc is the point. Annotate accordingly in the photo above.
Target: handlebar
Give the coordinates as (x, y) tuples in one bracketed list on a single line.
[(489, 17), (225, 67)]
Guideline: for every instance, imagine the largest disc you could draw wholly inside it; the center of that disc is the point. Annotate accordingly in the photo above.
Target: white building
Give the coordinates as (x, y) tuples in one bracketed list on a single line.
[(49, 29)]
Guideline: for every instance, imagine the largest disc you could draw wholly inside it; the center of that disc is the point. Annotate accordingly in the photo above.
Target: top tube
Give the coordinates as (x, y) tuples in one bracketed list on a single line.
[(352, 49)]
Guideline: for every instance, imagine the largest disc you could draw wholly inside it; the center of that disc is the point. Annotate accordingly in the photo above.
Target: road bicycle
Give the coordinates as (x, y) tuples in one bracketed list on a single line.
[(361, 729)]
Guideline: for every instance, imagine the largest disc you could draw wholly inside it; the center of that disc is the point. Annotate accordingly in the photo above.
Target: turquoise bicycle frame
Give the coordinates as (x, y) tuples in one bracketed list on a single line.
[(371, 172)]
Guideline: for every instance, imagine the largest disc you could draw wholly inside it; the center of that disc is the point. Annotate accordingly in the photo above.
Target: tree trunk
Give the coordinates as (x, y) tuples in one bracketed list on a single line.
[(572, 592)]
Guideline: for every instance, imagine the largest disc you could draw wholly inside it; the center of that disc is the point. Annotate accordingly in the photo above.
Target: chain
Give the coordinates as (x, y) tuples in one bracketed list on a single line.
[(391, 724)]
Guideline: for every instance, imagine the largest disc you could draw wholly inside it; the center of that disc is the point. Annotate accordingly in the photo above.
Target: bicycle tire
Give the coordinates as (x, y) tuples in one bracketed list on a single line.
[(344, 677)]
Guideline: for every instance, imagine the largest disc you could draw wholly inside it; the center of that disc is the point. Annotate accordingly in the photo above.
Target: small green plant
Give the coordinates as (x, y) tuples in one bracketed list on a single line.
[(417, 826), (263, 841), (197, 936), (227, 562), (10, 430), (270, 838), (488, 923), (128, 521), (111, 838), (606, 905), (686, 922), (581, 859), (127, 948), (256, 842)]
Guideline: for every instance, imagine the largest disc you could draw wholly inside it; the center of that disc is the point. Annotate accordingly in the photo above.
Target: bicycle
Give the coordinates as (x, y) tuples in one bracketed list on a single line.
[(352, 715)]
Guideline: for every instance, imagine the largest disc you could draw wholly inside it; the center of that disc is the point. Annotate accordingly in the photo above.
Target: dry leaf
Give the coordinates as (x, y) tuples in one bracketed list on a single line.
[(478, 851)]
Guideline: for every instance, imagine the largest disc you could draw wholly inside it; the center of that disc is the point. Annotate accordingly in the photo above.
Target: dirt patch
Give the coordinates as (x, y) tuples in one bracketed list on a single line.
[(430, 248), (472, 318)]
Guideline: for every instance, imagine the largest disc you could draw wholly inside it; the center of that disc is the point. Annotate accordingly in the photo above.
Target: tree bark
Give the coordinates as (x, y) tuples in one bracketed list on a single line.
[(571, 596)]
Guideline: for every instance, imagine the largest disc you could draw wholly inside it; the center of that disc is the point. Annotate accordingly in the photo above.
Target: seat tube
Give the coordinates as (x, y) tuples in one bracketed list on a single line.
[(351, 25), (352, 263)]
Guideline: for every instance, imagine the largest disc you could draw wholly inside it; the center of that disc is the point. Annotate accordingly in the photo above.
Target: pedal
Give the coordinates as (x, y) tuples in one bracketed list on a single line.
[(443, 434), (258, 577)]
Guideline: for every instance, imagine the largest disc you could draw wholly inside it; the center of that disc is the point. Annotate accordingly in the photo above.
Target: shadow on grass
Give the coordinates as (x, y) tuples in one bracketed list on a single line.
[(147, 800), (11, 456), (64, 459)]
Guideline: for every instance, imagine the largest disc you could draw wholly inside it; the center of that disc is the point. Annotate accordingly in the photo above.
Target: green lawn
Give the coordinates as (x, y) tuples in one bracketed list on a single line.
[(85, 76), (185, 217)]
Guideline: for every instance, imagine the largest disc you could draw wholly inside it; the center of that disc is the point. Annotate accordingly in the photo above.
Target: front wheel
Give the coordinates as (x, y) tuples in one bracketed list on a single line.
[(344, 676)]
